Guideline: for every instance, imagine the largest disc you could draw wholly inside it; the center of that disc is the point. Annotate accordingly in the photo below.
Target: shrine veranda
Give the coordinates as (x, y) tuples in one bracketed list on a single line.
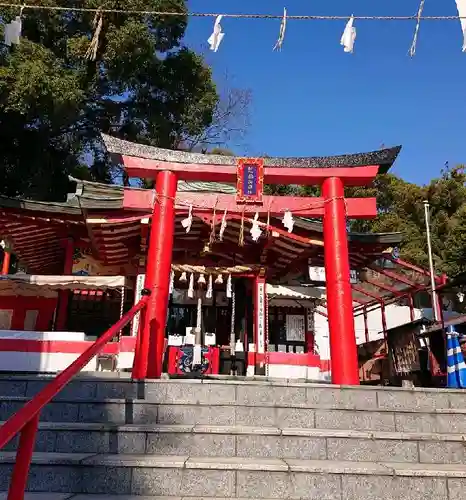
[(228, 268)]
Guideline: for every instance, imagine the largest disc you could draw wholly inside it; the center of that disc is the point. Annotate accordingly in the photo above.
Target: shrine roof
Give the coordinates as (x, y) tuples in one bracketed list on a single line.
[(383, 157), (95, 216)]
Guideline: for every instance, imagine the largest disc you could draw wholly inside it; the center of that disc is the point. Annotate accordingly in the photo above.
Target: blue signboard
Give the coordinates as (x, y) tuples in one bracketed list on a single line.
[(250, 179)]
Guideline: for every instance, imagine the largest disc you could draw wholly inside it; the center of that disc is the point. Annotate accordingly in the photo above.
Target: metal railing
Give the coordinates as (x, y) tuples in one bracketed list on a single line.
[(26, 420)]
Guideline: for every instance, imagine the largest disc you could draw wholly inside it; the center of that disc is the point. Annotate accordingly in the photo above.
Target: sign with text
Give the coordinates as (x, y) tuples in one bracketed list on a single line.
[(137, 297), (261, 316), (250, 180), (317, 274)]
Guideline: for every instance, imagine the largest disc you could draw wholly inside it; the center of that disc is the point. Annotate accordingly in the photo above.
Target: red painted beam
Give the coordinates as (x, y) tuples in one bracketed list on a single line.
[(351, 176), (356, 208)]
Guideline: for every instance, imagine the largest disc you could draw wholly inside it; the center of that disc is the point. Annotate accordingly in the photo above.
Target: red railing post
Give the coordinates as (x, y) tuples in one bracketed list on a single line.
[(19, 478), (6, 262)]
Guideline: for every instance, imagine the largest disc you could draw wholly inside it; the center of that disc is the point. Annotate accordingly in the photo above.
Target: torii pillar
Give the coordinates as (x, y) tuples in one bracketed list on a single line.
[(249, 174), (343, 349), (149, 352)]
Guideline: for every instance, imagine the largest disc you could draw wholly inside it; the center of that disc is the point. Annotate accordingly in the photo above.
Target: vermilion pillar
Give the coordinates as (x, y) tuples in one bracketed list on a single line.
[(64, 295), (343, 349), (158, 268), (6, 262)]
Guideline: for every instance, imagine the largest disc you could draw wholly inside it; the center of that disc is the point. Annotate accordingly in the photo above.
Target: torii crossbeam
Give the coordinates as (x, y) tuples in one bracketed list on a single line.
[(331, 173)]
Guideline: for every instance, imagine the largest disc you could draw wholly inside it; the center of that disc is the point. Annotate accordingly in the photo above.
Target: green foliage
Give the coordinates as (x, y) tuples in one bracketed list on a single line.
[(221, 151), (401, 209), (142, 86)]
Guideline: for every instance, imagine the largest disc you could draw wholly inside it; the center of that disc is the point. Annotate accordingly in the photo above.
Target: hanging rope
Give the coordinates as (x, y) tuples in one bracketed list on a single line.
[(241, 231), (91, 52), (186, 268), (216, 14), (214, 217)]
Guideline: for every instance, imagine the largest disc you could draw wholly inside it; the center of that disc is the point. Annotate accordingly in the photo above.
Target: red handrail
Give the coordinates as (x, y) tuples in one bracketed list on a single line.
[(26, 419)]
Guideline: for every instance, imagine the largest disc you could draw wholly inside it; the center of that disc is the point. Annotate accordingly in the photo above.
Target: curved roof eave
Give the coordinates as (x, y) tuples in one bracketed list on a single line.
[(383, 157)]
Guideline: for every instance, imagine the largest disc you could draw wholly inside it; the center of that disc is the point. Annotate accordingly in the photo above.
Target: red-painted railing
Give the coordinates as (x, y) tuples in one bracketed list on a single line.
[(26, 420)]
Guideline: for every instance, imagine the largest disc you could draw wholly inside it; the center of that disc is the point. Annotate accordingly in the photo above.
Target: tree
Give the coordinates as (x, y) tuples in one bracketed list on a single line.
[(142, 85), (401, 209), (230, 120)]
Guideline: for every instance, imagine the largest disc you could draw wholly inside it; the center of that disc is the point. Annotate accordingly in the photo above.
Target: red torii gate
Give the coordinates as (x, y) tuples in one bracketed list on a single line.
[(331, 173)]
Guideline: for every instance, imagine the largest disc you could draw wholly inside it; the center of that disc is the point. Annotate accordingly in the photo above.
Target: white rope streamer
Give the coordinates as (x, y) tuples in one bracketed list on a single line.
[(412, 50)]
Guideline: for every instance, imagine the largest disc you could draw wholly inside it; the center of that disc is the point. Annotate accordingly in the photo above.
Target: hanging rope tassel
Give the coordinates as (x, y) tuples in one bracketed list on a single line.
[(191, 286), (412, 50), (212, 226), (349, 36), (91, 52), (210, 288), (188, 222), (172, 282), (241, 232), (215, 39), (267, 230), (281, 36), (223, 225), (256, 231), (461, 6), (288, 221)]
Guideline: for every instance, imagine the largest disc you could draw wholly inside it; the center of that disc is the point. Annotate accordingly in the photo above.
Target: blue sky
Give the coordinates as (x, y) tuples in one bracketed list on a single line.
[(312, 99)]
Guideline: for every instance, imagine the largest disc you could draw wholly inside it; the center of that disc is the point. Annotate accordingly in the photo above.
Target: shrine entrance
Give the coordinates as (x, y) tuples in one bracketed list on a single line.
[(249, 206)]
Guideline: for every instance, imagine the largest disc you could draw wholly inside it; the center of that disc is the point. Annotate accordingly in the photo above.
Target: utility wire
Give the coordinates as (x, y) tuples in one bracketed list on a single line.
[(235, 16)]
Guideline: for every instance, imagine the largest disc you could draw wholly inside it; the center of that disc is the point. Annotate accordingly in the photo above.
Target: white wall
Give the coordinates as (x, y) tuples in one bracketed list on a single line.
[(395, 316)]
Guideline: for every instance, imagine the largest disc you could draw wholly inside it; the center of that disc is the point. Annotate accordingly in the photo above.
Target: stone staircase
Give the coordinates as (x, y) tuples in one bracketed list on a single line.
[(107, 438)]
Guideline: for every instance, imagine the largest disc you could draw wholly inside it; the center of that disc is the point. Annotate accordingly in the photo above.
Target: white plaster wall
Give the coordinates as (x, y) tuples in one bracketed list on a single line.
[(45, 362), (395, 316)]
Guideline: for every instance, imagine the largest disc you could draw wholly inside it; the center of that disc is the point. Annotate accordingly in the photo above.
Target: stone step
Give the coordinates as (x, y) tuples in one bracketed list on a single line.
[(84, 496), (121, 411), (54, 496), (250, 442), (227, 392), (239, 477)]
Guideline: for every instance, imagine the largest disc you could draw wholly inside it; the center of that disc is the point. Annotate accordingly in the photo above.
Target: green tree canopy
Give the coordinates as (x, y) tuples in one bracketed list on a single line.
[(401, 209), (54, 100)]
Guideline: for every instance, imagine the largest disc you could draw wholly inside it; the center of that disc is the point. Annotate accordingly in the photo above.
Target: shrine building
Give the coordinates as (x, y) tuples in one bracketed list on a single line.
[(238, 280)]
